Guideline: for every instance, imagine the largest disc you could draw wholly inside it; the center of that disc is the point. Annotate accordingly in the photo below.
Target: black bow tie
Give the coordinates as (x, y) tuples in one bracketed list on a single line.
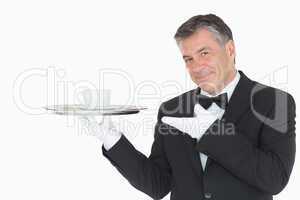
[(221, 100)]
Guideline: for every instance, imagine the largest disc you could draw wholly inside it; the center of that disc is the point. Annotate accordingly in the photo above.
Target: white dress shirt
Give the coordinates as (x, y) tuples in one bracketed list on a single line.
[(216, 110)]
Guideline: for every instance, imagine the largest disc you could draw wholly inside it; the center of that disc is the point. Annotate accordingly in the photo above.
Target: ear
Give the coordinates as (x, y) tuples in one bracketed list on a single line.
[(230, 49)]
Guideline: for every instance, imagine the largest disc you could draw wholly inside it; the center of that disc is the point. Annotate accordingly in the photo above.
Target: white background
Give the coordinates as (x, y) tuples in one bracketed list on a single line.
[(44, 156)]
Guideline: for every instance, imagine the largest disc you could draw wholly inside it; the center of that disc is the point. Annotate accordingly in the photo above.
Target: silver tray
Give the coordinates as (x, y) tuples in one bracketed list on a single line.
[(78, 109)]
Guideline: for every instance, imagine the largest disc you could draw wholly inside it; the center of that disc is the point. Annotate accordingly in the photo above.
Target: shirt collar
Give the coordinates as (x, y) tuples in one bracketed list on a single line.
[(229, 88)]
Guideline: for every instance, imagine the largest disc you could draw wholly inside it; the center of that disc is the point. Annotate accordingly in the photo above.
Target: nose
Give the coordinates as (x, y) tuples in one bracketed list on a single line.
[(199, 61), (197, 65)]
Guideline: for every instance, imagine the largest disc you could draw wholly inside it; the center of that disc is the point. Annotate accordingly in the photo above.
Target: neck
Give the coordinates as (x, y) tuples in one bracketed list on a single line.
[(224, 84)]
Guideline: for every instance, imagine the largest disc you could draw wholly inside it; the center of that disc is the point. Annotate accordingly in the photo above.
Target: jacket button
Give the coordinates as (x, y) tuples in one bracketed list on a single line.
[(207, 195)]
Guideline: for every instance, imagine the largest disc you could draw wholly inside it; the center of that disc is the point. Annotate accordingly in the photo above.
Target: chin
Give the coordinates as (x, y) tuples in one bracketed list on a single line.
[(208, 87)]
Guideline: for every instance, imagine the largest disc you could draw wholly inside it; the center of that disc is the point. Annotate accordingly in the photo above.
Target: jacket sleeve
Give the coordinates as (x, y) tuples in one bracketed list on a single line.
[(267, 166), (151, 175)]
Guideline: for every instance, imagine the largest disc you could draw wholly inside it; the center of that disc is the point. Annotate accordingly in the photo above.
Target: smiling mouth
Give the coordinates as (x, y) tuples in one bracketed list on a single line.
[(204, 78)]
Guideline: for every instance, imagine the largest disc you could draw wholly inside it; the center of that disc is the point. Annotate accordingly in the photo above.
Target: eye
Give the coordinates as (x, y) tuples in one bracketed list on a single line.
[(188, 60), (204, 53)]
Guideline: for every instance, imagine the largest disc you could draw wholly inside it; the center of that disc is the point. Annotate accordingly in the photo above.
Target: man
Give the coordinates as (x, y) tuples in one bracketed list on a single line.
[(231, 138)]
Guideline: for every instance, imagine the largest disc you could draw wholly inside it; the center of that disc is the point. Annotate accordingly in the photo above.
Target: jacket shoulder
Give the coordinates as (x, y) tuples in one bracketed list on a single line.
[(178, 105), (265, 97)]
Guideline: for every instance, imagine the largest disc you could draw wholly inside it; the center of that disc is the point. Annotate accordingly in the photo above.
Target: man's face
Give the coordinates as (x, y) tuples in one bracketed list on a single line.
[(210, 65)]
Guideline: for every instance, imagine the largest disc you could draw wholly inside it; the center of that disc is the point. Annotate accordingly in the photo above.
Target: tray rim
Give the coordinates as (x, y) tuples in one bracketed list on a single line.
[(131, 109)]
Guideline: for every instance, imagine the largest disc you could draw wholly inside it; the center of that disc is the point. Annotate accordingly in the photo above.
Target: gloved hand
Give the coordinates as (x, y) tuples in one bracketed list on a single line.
[(105, 131), (194, 126)]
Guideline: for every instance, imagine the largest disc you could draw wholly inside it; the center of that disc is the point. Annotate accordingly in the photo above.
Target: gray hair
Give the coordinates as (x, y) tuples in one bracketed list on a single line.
[(210, 22)]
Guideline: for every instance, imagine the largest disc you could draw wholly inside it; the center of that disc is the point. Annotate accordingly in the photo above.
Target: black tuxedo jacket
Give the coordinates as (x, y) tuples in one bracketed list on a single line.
[(251, 150)]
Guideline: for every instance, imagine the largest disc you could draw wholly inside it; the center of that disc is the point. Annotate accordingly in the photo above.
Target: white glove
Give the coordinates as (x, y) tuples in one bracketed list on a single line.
[(105, 131), (194, 126)]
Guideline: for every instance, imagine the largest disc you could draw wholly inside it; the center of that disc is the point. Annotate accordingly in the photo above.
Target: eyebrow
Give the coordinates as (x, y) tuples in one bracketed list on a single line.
[(198, 51)]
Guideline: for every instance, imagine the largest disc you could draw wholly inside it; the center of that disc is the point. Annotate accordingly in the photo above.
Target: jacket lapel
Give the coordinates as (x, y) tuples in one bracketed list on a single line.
[(240, 99), (239, 103), (190, 99)]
